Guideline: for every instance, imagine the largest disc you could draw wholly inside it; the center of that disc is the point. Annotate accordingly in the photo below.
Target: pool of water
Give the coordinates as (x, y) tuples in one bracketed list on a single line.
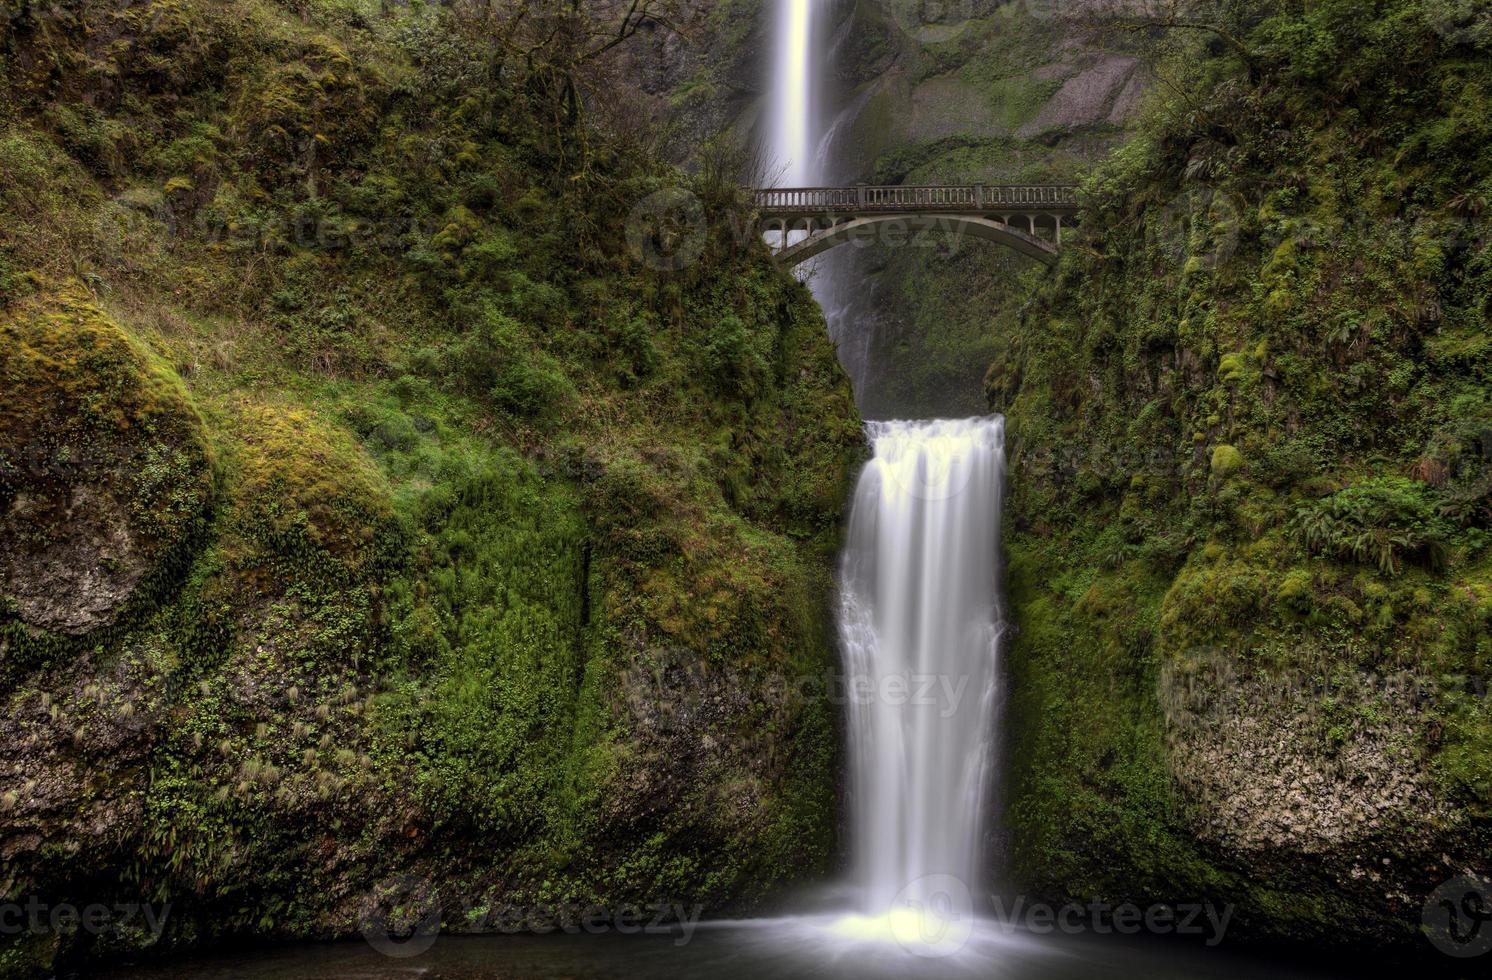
[(748, 950)]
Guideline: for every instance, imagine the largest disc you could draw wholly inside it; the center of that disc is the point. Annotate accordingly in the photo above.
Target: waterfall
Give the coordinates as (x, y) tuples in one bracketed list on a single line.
[(920, 623), (794, 94), (919, 614), (801, 147)]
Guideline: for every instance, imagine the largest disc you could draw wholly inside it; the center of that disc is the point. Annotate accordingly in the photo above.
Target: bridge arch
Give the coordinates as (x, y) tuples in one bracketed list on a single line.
[(871, 228), (830, 216)]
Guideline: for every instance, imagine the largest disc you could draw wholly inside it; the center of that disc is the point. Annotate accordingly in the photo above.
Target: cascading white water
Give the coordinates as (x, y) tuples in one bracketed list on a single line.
[(919, 619), (920, 624), (792, 111), (801, 148)]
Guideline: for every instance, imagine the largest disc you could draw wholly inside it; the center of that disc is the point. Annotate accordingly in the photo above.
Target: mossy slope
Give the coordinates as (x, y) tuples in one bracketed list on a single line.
[(498, 555), (1250, 513)]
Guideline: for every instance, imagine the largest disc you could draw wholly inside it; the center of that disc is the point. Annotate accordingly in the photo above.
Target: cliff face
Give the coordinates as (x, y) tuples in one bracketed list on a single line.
[(957, 93), (380, 502), (1249, 487)]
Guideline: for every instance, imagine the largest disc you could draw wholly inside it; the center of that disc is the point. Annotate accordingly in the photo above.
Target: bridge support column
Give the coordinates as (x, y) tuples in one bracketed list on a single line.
[(1059, 229)]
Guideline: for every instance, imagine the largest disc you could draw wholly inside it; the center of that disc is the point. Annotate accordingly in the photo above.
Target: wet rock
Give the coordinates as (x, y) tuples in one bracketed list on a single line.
[(104, 467), (1096, 94), (75, 577)]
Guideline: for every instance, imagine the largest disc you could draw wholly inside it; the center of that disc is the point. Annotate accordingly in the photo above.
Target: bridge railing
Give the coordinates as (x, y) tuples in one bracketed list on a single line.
[(901, 197)]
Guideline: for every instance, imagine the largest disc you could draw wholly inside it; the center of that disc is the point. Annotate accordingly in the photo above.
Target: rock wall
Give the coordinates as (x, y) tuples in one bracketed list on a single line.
[(958, 92), (1247, 534)]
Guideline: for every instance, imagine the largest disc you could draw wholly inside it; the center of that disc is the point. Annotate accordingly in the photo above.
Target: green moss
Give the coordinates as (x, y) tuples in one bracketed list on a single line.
[(1295, 590), (1226, 460), (299, 488), (1311, 506), (91, 410)]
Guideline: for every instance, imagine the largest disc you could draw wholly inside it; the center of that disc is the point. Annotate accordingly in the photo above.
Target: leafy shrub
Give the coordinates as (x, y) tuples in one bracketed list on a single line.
[(733, 361), (632, 339), (1382, 522), (87, 135), (540, 303), (529, 385), (497, 361), (485, 258)]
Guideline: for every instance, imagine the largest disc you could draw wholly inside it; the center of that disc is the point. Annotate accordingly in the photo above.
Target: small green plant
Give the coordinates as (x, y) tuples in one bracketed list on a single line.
[(1383, 522), (733, 361)]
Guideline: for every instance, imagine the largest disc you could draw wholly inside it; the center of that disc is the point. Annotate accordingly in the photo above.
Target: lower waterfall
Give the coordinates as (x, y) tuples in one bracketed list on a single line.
[(920, 623)]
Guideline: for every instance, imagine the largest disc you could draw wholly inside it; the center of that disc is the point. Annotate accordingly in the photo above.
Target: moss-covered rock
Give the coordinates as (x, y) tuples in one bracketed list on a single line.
[(302, 491), (105, 474), (1226, 460), (514, 579), (1262, 686)]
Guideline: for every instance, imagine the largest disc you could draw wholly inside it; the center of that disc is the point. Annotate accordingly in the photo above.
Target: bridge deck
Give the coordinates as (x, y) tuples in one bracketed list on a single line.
[(802, 202)]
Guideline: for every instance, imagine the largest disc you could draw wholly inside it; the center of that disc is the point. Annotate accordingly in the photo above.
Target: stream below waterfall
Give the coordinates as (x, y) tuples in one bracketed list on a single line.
[(753, 950)]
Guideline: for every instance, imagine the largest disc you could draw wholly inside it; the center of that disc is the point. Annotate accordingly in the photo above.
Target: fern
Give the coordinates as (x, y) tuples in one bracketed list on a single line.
[(1381, 522)]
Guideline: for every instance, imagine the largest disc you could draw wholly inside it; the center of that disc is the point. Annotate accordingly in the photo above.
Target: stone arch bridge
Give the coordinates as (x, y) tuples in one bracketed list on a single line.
[(810, 220)]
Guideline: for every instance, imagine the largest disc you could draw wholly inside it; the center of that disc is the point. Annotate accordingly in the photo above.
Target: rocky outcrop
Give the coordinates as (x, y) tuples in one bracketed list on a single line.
[(104, 468), (998, 93), (1107, 92), (1282, 774), (78, 576)]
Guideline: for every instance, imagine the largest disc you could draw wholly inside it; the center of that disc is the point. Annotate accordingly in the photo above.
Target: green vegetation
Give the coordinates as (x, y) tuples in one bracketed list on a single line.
[(1250, 484), (424, 533), (964, 103), (100, 448), (433, 481), (1381, 521)]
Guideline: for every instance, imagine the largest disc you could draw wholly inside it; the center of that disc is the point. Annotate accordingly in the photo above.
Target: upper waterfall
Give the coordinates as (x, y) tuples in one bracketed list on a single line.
[(793, 148)]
